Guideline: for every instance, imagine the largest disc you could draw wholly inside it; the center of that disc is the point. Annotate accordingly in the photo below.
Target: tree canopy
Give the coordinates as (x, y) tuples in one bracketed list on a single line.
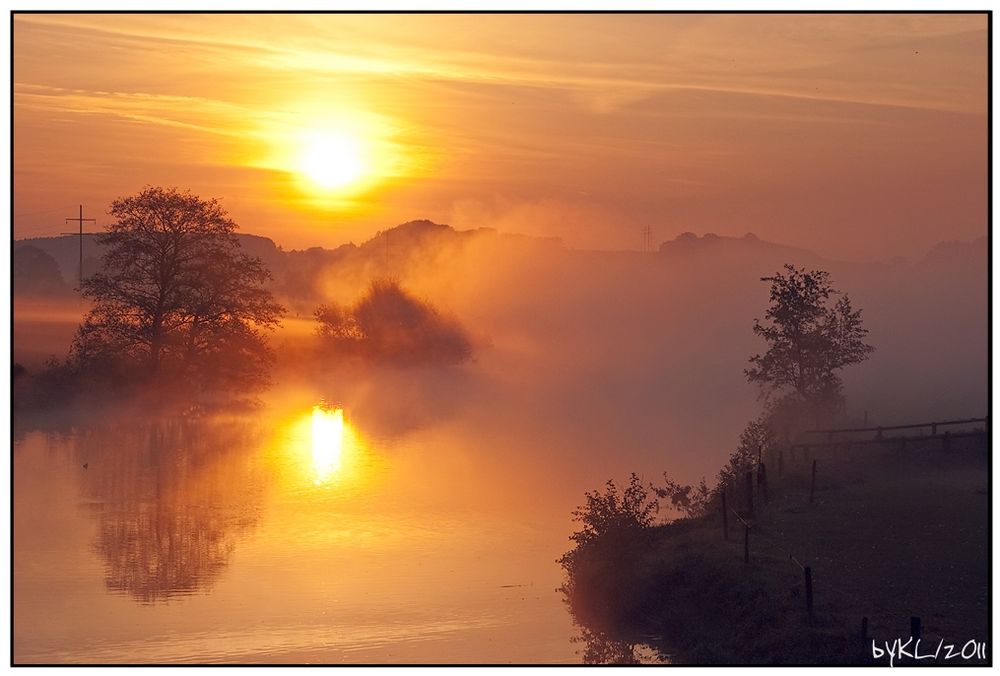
[(389, 324), (809, 338), (175, 295)]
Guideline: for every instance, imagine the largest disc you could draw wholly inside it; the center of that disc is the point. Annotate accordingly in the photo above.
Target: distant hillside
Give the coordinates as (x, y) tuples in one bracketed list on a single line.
[(954, 253), (36, 273), (691, 247), (65, 250), (412, 248)]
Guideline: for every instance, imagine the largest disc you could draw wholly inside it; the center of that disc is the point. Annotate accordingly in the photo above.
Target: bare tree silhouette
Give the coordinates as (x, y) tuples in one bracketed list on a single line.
[(176, 292)]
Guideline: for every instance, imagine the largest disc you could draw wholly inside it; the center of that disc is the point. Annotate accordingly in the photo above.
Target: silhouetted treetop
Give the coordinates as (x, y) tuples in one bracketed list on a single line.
[(390, 324), (175, 289), (809, 337)]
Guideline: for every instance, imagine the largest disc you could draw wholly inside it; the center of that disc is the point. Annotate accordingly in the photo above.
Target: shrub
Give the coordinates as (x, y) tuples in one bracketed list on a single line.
[(389, 324)]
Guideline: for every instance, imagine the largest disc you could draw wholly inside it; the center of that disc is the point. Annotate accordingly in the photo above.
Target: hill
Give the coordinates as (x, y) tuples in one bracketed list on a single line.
[(690, 245)]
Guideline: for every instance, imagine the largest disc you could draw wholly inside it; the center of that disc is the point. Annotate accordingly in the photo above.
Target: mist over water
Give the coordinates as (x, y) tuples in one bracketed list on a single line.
[(434, 535), (630, 360)]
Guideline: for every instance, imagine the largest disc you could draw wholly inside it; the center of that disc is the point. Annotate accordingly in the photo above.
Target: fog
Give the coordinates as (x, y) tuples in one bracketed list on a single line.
[(607, 362), (598, 363)]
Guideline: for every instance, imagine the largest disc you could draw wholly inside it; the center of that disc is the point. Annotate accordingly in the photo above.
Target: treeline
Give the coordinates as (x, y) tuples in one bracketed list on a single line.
[(180, 314)]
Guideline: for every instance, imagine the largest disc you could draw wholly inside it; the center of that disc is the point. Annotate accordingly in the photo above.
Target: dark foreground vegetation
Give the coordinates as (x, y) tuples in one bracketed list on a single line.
[(777, 562), (887, 535)]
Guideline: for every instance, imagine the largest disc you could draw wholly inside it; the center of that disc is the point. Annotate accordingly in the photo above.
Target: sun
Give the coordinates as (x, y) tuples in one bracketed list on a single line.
[(332, 160)]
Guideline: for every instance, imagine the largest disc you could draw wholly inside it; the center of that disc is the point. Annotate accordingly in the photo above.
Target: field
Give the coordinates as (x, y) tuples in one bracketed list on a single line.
[(864, 537)]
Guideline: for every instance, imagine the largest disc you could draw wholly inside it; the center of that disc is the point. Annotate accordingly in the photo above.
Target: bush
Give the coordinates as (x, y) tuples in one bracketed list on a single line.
[(389, 324), (611, 521)]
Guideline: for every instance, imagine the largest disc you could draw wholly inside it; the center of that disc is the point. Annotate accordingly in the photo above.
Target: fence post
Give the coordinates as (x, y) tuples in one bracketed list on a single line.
[(750, 494), (746, 544), (762, 481), (915, 627), (809, 592), (812, 486), (725, 518)]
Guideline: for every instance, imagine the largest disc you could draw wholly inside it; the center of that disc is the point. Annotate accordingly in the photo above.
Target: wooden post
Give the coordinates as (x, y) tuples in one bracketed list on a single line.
[(809, 592), (915, 627), (750, 494), (762, 481), (812, 487), (781, 463), (746, 544), (725, 518), (864, 629)]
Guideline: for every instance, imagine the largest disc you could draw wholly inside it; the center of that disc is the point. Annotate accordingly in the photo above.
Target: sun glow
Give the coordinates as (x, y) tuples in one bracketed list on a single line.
[(332, 160), (332, 155)]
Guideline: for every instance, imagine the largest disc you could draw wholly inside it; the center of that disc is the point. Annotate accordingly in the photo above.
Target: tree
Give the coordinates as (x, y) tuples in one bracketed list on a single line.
[(176, 291), (390, 324), (808, 340)]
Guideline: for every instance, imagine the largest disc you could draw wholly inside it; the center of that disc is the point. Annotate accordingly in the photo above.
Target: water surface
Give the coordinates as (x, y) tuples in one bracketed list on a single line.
[(289, 535)]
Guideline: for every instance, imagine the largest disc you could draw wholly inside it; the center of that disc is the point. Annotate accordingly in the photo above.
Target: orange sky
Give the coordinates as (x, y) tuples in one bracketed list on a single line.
[(860, 136)]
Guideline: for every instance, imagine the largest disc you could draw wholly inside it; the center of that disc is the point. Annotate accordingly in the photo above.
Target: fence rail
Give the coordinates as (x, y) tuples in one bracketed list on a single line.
[(883, 441), (886, 428)]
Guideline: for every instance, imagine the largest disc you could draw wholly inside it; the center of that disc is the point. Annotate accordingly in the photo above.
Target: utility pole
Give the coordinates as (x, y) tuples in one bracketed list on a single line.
[(647, 239), (386, 236), (80, 220)]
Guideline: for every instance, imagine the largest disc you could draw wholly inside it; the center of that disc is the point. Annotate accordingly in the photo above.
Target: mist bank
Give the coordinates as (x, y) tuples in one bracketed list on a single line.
[(643, 353), (626, 359)]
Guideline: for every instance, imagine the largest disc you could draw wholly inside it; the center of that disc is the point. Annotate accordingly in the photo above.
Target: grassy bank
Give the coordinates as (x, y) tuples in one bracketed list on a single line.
[(888, 536)]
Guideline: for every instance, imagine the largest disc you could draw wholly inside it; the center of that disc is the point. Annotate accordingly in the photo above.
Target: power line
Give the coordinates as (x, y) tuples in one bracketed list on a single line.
[(647, 239), (80, 220)]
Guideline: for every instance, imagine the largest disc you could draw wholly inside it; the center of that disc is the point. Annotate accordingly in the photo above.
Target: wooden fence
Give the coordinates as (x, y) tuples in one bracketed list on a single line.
[(834, 438), (849, 436)]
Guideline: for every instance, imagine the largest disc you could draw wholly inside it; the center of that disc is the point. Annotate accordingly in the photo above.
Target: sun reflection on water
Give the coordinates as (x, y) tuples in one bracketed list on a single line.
[(319, 448), (327, 440)]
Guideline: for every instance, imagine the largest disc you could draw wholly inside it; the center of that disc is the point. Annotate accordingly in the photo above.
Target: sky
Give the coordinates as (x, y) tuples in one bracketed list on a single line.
[(862, 137)]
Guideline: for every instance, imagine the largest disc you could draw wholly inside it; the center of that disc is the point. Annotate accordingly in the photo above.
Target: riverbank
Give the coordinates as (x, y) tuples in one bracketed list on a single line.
[(888, 536)]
